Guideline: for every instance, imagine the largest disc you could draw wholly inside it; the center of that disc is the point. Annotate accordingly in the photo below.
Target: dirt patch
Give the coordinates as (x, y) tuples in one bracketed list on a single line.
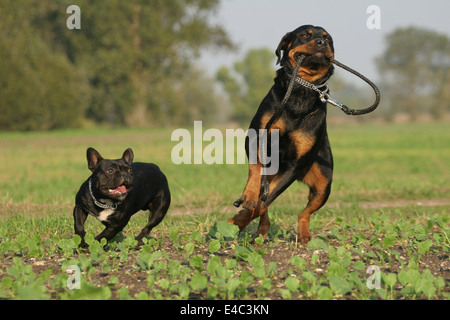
[(42, 210)]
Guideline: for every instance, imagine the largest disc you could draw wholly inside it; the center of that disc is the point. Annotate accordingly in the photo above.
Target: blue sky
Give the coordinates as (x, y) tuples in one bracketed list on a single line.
[(262, 23)]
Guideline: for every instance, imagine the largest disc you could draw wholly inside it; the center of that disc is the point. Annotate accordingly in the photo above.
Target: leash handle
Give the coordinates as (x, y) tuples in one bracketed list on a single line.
[(346, 109)]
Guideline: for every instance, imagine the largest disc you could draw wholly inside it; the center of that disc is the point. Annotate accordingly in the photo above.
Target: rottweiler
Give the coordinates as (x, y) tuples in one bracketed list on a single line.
[(304, 148)]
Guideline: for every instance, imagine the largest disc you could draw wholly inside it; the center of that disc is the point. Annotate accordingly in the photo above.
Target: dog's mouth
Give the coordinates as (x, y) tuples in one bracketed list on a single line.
[(318, 57), (314, 66), (119, 191)]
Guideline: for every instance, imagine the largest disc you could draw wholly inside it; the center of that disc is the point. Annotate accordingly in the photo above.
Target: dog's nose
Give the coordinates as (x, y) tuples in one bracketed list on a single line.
[(321, 43)]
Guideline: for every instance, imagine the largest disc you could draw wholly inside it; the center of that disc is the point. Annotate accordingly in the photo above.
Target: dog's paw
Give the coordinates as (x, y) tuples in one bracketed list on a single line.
[(249, 200), (238, 202), (303, 231), (305, 237), (250, 205), (83, 247), (241, 219)]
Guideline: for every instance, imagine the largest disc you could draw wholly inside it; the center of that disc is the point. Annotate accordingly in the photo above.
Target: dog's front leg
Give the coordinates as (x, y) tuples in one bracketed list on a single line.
[(79, 217), (109, 232), (250, 196), (112, 228)]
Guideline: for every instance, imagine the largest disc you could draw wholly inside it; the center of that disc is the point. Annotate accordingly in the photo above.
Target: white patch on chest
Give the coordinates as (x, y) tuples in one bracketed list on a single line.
[(103, 216)]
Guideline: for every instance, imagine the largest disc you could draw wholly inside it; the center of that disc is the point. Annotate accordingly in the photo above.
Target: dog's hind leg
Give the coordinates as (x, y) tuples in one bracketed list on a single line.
[(279, 183), (158, 209), (320, 185), (264, 224)]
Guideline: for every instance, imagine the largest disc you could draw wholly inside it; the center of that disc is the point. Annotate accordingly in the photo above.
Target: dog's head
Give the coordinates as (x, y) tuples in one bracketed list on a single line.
[(112, 178), (316, 45)]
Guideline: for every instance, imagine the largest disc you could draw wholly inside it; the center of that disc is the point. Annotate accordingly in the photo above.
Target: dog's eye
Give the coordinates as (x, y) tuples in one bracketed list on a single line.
[(110, 170), (304, 35), (129, 170)]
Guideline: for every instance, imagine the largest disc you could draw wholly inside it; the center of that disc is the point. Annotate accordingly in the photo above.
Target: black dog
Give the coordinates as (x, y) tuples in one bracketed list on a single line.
[(116, 190), (304, 149)]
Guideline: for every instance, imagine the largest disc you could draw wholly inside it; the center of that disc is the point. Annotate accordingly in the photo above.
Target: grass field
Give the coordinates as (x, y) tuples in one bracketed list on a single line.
[(384, 233)]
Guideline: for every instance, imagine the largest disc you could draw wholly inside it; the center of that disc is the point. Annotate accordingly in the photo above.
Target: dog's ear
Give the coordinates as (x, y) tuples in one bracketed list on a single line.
[(128, 156), (93, 158), (282, 46)]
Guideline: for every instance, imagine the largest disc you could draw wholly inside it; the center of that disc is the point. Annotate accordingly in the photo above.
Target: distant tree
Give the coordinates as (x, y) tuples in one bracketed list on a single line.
[(134, 55), (415, 68), (191, 98), (248, 82), (138, 52), (39, 89)]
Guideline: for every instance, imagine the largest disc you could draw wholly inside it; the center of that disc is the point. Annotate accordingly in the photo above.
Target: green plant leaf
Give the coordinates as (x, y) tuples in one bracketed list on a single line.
[(227, 230), (198, 282), (300, 263), (189, 248), (317, 244), (424, 246), (33, 291), (292, 284), (286, 294), (389, 279), (339, 285), (324, 293), (232, 285), (409, 276), (214, 246), (197, 262), (389, 241)]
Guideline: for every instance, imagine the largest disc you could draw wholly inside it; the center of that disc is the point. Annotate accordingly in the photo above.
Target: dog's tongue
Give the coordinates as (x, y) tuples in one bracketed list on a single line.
[(121, 189)]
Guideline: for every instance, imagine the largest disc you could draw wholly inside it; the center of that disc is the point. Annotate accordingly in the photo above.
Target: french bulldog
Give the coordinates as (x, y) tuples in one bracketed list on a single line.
[(116, 190)]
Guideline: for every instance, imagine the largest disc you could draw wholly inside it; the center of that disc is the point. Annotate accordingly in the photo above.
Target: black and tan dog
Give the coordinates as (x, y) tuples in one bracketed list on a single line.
[(304, 149)]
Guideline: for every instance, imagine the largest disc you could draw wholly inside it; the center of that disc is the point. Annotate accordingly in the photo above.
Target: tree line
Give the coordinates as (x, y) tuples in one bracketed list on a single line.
[(130, 64), (133, 63)]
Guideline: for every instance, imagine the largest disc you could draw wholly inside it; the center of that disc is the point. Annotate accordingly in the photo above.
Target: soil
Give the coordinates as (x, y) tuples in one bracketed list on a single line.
[(280, 251), (130, 276)]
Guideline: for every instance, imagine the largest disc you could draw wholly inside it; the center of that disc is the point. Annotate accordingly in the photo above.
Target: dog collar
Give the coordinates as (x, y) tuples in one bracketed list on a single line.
[(321, 89), (100, 204)]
